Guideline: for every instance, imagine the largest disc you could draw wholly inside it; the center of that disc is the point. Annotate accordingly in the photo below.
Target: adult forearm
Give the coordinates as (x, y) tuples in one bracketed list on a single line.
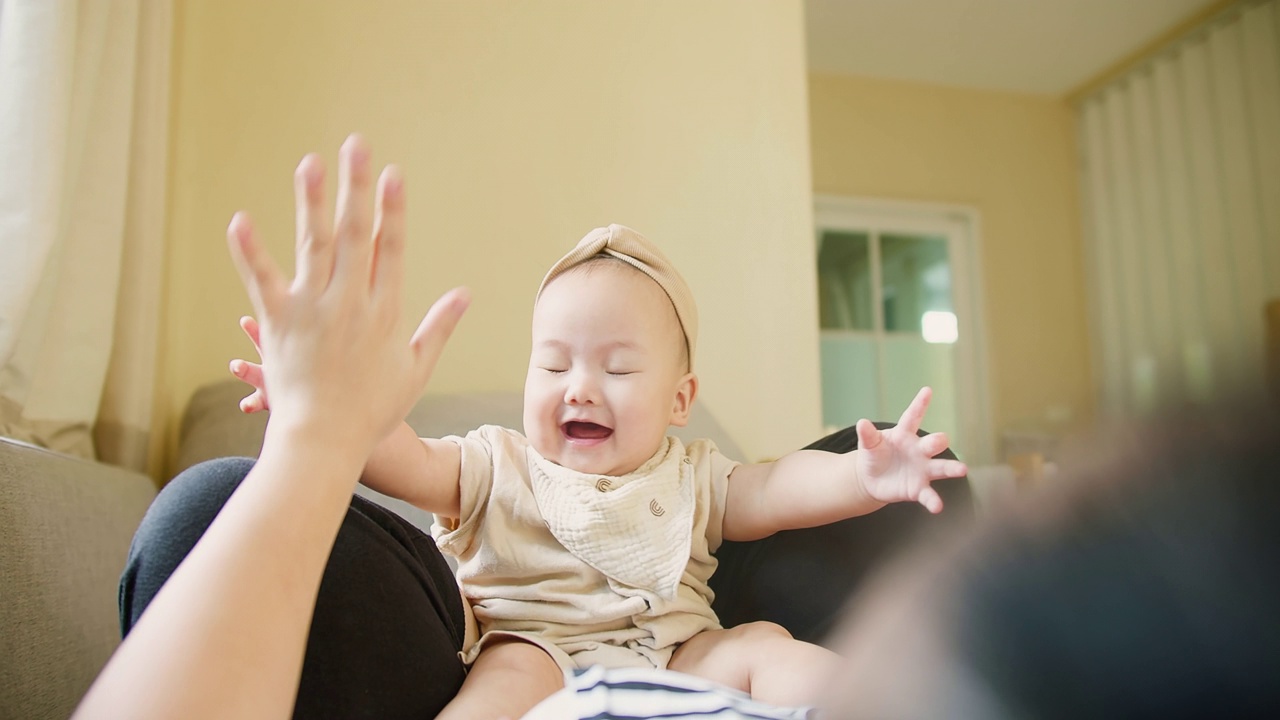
[(236, 612)]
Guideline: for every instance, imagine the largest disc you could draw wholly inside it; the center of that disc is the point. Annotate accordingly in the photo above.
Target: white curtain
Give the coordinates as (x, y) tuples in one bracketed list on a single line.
[(1181, 180), (83, 137)]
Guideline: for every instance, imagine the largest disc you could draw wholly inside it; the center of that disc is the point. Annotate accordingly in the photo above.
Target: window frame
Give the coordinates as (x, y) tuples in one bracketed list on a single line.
[(961, 226)]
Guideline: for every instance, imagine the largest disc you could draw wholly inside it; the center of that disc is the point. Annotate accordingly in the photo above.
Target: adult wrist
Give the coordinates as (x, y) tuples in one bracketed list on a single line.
[(325, 444)]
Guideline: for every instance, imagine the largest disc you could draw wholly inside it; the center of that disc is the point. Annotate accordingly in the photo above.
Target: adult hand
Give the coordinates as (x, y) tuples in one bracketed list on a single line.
[(226, 634), (333, 365)]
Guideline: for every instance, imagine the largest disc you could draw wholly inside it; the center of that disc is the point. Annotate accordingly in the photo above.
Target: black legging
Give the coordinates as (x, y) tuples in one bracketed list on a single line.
[(388, 621)]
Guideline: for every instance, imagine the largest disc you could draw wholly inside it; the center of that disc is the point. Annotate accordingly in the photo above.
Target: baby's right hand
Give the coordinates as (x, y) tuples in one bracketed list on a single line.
[(250, 372)]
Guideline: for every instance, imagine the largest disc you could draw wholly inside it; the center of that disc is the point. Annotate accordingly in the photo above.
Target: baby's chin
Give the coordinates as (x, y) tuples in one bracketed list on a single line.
[(567, 458), (586, 467)]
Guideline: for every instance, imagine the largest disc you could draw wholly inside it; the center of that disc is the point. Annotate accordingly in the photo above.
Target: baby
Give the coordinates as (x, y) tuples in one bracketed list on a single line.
[(589, 539)]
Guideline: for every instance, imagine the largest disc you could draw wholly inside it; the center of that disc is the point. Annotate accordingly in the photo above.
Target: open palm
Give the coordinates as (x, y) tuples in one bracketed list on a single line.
[(898, 465)]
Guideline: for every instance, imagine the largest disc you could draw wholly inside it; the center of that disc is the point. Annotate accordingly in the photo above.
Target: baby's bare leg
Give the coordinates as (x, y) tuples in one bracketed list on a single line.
[(760, 658), (506, 680)]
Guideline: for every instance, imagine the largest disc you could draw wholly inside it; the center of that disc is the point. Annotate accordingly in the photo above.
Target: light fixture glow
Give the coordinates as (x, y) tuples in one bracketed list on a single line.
[(939, 327)]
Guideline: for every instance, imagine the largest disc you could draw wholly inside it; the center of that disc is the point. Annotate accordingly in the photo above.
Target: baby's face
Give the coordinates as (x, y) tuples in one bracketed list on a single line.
[(606, 374)]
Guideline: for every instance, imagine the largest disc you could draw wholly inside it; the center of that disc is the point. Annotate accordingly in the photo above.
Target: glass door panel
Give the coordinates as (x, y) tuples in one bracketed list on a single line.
[(900, 307), (844, 281), (910, 364), (887, 327), (850, 379), (916, 278)]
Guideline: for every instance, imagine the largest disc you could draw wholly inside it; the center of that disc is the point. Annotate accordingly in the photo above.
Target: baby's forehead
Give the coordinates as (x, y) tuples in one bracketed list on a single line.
[(607, 276), (604, 263), (616, 277)]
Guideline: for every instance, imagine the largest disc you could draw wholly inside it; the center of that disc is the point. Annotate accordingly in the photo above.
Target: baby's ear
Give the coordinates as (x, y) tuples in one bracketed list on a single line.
[(686, 391)]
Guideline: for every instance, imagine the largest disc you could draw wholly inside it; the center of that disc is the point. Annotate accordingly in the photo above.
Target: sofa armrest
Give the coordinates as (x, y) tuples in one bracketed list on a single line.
[(65, 529)]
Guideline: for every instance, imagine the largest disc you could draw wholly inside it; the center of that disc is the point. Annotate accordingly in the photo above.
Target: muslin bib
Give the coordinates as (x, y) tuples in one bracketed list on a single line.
[(636, 529)]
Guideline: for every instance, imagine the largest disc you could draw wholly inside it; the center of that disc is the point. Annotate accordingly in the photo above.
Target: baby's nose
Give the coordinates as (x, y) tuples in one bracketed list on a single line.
[(581, 389)]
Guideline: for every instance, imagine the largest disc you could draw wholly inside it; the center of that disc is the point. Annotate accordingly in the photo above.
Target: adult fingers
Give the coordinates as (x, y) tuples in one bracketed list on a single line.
[(352, 247), (931, 500), (314, 237), (261, 277), (389, 235), (251, 328), (433, 332), (914, 414)]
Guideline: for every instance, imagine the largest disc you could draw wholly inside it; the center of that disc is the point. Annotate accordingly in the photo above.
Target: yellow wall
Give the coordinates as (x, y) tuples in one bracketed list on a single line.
[(1013, 158), (520, 126)]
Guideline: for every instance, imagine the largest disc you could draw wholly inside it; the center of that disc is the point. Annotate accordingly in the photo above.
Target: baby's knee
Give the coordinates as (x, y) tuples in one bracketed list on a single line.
[(525, 658), (759, 632)]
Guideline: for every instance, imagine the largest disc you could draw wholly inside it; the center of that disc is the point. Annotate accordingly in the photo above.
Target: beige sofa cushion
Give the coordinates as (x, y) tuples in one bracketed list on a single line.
[(65, 528)]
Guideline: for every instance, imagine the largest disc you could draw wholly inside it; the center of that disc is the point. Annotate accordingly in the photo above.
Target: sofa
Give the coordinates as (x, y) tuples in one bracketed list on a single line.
[(66, 525)]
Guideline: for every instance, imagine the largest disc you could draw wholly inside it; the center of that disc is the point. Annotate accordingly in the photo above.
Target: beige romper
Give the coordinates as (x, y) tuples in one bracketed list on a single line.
[(593, 569)]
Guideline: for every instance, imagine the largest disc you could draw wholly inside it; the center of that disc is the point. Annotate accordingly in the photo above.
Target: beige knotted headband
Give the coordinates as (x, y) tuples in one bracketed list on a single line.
[(636, 250)]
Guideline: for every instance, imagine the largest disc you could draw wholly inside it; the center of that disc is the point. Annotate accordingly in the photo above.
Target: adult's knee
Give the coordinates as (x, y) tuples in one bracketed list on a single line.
[(176, 520), (193, 498)]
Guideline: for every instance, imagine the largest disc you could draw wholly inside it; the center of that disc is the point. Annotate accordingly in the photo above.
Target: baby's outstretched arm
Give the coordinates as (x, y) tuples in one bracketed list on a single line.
[(810, 487), (421, 471)]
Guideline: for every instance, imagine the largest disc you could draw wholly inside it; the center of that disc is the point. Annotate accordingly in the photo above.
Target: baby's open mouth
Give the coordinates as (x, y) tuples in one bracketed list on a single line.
[(576, 430)]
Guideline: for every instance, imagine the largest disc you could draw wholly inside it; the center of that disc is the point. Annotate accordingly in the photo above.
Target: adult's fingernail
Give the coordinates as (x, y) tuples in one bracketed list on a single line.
[(357, 151)]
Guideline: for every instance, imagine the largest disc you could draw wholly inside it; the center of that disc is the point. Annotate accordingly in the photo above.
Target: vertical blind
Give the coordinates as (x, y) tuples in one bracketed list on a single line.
[(1181, 184)]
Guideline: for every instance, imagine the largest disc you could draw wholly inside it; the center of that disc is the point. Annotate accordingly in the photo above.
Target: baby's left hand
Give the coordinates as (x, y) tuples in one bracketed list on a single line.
[(897, 465)]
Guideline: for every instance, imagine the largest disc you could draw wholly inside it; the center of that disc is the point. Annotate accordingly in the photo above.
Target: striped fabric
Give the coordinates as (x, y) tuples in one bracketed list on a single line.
[(634, 693)]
